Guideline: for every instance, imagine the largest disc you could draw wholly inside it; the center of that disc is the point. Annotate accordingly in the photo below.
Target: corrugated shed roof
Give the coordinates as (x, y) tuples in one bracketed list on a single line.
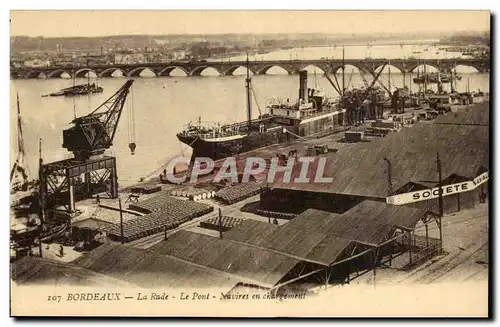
[(321, 237), (33, 270), (148, 269), (306, 244), (250, 231), (362, 171), (93, 224), (261, 266), (472, 115)]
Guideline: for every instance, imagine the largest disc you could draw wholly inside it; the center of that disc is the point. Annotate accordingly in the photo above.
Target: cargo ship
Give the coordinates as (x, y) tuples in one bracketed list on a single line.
[(313, 113)]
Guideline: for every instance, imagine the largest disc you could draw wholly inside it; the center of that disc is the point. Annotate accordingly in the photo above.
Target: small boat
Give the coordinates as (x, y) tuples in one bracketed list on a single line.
[(433, 78)]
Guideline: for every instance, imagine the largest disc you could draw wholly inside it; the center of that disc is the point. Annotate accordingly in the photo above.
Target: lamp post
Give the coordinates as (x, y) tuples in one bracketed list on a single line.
[(121, 220)]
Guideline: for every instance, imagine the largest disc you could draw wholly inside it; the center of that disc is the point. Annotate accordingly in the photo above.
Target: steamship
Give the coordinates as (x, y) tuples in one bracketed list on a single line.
[(313, 113)]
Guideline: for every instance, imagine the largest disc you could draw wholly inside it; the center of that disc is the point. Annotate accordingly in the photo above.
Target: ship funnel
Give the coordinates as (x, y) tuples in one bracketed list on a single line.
[(303, 86)]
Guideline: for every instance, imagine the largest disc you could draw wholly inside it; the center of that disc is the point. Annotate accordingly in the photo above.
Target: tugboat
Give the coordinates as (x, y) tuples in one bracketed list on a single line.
[(312, 114)]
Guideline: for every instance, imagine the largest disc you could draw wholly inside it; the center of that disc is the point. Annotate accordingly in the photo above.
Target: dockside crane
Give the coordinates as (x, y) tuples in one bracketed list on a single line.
[(92, 134), (61, 182)]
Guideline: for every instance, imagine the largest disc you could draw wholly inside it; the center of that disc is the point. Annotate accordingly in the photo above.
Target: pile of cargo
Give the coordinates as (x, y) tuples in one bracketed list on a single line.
[(382, 128), (222, 224), (165, 213), (238, 192), (195, 194)]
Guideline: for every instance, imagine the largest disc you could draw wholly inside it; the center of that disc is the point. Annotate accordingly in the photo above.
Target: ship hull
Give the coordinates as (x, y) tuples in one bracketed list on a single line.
[(222, 148), (219, 149)]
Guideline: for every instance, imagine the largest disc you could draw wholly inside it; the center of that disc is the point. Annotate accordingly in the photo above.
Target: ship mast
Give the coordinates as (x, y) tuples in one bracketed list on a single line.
[(249, 98), (343, 70)]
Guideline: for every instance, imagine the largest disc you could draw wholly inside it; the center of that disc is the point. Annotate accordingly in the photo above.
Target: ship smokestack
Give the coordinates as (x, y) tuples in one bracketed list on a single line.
[(303, 86)]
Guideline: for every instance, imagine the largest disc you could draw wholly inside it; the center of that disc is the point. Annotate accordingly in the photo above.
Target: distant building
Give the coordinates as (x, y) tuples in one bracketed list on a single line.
[(127, 59), (37, 63), (179, 55)]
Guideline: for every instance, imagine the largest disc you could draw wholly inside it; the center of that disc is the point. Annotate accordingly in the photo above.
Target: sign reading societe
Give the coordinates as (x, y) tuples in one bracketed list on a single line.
[(434, 193)]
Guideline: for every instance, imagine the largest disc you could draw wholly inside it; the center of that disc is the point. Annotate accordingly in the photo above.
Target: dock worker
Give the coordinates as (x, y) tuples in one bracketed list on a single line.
[(61, 251), (97, 199)]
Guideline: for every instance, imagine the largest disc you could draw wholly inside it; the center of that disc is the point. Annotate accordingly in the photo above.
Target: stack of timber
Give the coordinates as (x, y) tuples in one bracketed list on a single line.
[(195, 194), (238, 192), (221, 224), (164, 213)]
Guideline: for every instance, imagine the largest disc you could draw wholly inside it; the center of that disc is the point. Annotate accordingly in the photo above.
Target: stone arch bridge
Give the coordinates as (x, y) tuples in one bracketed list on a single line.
[(256, 67)]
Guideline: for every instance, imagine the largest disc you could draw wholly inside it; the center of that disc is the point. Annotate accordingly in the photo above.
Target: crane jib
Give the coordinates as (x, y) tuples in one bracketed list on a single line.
[(94, 133)]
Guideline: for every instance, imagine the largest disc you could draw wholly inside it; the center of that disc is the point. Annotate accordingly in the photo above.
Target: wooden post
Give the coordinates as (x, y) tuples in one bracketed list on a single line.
[(375, 257), (349, 272), (326, 278), (409, 245), (390, 255), (427, 235), (438, 161), (121, 220), (40, 240), (220, 223)]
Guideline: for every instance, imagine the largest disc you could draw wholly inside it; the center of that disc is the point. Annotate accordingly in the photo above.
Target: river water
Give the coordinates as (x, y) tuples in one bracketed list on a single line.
[(163, 105)]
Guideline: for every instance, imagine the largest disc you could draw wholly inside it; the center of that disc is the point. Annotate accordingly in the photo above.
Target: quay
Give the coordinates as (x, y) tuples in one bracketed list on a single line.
[(227, 68)]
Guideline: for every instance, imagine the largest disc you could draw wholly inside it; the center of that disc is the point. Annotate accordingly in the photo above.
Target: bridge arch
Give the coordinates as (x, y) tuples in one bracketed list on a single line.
[(394, 69), (198, 70), (428, 68), (109, 72), (84, 71), (167, 70), (265, 69), (311, 69), (231, 70), (136, 72), (348, 69), (466, 69), (57, 73)]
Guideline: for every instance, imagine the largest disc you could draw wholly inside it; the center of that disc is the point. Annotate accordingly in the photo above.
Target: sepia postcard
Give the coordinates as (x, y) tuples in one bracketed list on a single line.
[(250, 163)]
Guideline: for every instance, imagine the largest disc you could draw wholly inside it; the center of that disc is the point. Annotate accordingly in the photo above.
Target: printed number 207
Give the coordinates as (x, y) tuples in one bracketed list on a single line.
[(55, 298)]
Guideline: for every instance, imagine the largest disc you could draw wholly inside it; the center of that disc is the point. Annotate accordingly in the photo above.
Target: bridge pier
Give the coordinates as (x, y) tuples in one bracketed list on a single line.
[(257, 67)]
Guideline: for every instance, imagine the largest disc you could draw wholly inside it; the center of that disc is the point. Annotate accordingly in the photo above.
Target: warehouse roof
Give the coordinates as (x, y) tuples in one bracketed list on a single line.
[(146, 269), (42, 271), (370, 222), (472, 115), (252, 264)]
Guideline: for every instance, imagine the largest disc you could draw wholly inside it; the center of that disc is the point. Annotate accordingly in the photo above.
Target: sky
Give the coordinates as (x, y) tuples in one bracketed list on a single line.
[(100, 22)]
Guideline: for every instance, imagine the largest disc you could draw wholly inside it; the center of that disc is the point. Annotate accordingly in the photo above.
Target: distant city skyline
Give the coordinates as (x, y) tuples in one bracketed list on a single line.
[(107, 23)]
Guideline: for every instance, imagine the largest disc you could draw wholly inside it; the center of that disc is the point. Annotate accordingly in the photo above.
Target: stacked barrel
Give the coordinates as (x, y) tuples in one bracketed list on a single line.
[(222, 224), (238, 192), (194, 194), (164, 212)]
